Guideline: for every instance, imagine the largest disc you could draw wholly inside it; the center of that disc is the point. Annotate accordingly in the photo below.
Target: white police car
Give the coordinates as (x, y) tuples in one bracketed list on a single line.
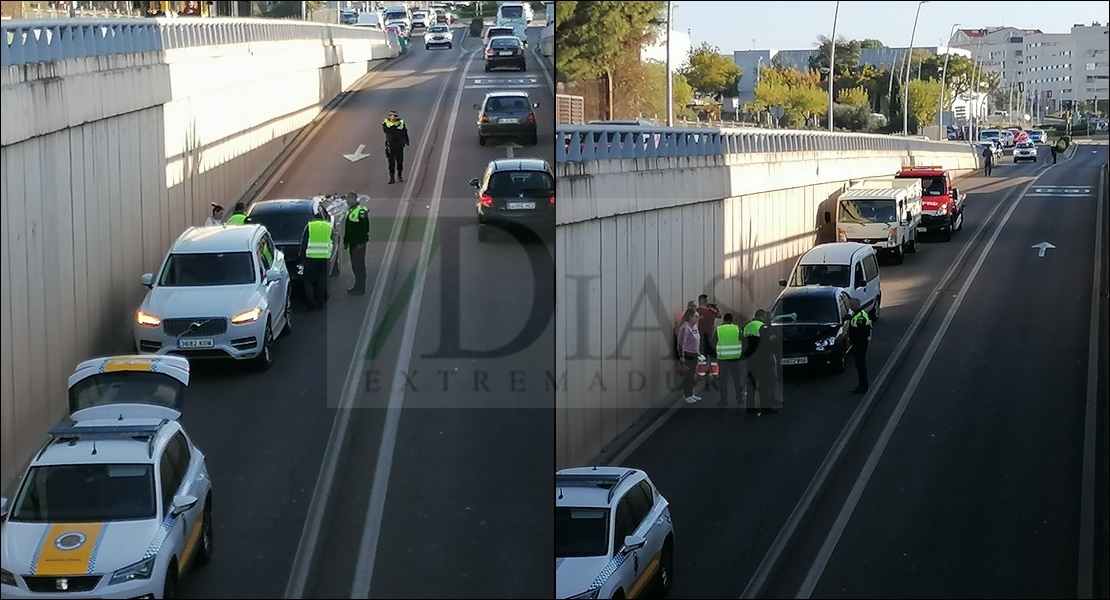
[(118, 504), (613, 534)]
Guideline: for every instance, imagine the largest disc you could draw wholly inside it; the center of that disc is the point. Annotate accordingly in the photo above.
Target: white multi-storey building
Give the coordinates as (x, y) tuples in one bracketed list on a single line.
[(1044, 72)]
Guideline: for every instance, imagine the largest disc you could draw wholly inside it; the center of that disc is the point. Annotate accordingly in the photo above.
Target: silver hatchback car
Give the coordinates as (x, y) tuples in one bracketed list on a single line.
[(221, 292)]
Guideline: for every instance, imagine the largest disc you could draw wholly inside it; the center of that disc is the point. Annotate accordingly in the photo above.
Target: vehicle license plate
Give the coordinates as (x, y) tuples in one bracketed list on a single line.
[(521, 205), (801, 360), (508, 121), (922, 229), (505, 53), (194, 343)]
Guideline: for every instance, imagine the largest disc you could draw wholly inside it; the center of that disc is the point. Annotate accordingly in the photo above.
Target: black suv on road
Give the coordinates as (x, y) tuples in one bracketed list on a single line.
[(811, 324), (286, 220), (516, 192)]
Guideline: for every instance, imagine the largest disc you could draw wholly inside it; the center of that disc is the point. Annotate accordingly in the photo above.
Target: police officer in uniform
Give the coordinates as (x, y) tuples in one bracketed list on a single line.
[(316, 250), (728, 359), (238, 214), (761, 364), (356, 233), (859, 334), (396, 138)]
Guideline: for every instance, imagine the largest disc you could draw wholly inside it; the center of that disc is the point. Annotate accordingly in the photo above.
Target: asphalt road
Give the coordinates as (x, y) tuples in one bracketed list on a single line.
[(963, 475), (439, 491)]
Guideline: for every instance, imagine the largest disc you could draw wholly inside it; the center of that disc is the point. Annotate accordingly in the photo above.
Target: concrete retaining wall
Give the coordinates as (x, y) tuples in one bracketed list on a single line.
[(106, 160), (637, 238)]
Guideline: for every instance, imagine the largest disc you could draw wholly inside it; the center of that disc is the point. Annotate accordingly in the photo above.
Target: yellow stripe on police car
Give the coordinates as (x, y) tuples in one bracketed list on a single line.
[(68, 549)]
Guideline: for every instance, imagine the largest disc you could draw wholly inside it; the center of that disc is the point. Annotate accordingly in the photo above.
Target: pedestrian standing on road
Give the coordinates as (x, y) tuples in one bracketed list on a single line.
[(316, 250), (988, 159), (707, 322), (759, 356), (1055, 151), (356, 234), (238, 214), (689, 343), (859, 334), (396, 138), (679, 321), (728, 350), (217, 217)]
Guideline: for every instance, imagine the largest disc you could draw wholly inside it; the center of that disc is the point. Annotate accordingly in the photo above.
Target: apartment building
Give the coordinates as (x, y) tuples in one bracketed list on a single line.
[(1044, 72)]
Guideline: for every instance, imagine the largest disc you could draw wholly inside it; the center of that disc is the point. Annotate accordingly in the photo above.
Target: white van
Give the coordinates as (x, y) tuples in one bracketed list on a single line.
[(848, 265), (883, 212)]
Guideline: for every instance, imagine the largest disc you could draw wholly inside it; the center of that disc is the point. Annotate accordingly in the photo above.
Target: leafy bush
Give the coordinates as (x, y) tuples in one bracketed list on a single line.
[(477, 24)]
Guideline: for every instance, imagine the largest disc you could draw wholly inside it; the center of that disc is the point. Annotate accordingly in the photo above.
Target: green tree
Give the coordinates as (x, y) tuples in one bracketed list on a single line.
[(650, 101), (869, 43), (847, 56), (856, 96), (590, 37), (797, 93), (808, 101), (923, 100), (711, 73)]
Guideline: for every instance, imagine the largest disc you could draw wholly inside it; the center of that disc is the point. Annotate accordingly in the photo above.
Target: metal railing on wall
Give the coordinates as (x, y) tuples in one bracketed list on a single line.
[(47, 40), (578, 143)]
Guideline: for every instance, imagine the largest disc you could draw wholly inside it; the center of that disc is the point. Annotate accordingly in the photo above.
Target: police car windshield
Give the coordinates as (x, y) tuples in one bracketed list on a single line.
[(834, 275), (227, 268), (581, 532), (86, 494), (438, 29)]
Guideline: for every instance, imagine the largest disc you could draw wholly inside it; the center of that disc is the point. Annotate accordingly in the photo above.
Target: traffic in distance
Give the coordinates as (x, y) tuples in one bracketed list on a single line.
[(897, 237), (452, 204)]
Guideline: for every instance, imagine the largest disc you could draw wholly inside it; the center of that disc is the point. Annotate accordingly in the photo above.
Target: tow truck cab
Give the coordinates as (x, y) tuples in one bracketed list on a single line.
[(942, 206)]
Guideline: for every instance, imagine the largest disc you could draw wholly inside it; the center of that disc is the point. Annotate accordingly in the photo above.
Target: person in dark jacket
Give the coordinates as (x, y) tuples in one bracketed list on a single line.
[(396, 138), (859, 334), (356, 234), (758, 353)]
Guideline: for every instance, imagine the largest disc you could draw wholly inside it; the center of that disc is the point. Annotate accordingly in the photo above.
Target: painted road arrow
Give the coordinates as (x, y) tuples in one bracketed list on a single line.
[(358, 155), (509, 146), (1043, 247)]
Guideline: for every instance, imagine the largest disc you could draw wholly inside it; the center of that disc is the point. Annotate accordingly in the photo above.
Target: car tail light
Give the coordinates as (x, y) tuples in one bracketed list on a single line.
[(485, 119), (486, 200), (552, 200), (531, 118)]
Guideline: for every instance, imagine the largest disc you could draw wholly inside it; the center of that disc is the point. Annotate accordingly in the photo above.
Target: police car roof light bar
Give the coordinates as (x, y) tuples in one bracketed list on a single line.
[(108, 432)]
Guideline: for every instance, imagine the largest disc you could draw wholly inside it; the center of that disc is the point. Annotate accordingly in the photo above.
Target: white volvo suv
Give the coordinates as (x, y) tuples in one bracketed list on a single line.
[(221, 292)]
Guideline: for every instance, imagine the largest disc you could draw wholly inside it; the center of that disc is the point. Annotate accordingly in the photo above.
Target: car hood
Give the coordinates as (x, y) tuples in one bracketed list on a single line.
[(201, 301), (575, 575), (792, 332), (106, 547)]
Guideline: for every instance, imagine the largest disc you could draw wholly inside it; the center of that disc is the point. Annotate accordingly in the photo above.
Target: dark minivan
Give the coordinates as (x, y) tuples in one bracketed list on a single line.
[(516, 192), (812, 323), (286, 220)]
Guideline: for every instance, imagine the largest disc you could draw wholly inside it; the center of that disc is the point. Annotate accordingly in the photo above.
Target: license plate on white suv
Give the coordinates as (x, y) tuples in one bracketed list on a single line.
[(194, 343)]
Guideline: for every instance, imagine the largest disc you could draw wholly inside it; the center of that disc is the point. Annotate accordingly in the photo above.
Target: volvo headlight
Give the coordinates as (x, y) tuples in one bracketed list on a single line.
[(147, 320), (826, 343), (140, 570), (6, 577), (249, 316), (587, 594)]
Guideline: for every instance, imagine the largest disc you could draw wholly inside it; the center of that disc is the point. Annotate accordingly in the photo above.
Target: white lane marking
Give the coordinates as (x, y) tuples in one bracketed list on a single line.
[(818, 568), (325, 482), (368, 549), (1087, 517)]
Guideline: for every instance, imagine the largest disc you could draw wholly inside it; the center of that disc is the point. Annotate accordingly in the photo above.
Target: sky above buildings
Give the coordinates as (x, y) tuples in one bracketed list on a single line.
[(797, 25)]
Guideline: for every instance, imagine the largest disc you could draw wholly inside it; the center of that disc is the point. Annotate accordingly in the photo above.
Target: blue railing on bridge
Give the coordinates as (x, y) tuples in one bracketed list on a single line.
[(48, 40), (578, 143)]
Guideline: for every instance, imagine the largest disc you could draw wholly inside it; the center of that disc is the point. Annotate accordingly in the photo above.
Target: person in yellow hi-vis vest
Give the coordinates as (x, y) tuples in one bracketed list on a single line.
[(238, 214), (316, 250), (729, 347)]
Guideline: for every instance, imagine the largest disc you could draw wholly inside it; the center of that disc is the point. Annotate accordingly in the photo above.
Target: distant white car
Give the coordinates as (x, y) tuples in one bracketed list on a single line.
[(118, 504), (438, 35), (613, 534), (221, 292), (1025, 150)]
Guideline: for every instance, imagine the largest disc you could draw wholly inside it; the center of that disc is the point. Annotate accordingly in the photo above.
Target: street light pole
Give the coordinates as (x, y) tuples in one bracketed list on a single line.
[(906, 86), (832, 56), (670, 81), (944, 74)]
